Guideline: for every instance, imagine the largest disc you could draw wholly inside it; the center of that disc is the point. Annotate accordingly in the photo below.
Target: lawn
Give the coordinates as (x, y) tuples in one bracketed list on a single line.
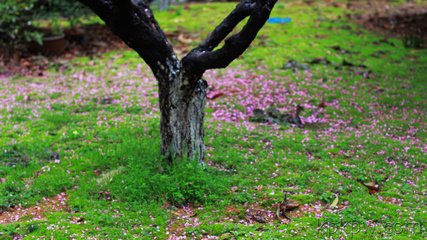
[(80, 147)]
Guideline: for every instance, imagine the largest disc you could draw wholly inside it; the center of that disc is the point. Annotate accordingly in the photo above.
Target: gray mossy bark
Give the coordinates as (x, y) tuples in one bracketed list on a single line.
[(182, 91), (182, 98)]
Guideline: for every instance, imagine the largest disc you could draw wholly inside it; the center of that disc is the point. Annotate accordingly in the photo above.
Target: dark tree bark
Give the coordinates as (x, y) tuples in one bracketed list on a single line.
[(182, 91)]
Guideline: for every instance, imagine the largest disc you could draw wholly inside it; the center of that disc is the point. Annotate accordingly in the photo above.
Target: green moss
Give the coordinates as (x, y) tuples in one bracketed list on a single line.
[(109, 160)]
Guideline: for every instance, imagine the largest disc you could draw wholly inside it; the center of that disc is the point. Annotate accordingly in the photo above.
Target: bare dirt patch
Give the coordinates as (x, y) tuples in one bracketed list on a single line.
[(181, 218), (287, 211), (87, 40), (37, 212), (407, 21)]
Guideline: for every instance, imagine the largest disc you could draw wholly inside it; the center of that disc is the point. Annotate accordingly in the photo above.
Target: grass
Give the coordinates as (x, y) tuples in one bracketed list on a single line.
[(94, 135)]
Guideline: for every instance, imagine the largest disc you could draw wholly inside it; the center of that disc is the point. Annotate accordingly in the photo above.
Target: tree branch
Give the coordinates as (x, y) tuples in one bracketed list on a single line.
[(134, 23), (203, 58), (242, 10)]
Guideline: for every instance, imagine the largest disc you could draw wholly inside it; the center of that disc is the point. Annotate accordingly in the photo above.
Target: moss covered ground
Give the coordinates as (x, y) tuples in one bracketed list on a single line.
[(82, 143)]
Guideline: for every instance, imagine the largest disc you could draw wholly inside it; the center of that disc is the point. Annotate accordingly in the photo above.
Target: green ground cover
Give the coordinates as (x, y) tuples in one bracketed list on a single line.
[(91, 133)]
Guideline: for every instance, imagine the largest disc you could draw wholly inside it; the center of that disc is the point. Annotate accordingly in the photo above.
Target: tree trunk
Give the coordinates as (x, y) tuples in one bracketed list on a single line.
[(182, 101)]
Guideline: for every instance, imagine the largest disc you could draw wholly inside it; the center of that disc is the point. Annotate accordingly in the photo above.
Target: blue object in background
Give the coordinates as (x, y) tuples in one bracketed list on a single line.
[(279, 20)]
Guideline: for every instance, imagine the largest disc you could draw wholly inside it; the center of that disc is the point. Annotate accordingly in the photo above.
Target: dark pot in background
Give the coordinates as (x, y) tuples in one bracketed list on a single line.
[(52, 45)]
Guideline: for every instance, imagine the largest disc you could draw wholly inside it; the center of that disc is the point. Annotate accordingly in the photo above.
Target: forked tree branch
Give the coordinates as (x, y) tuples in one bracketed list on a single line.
[(134, 23), (242, 10), (203, 58)]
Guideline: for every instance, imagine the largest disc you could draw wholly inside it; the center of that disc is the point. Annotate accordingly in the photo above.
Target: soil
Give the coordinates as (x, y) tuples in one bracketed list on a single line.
[(88, 40), (36, 212), (407, 21)]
